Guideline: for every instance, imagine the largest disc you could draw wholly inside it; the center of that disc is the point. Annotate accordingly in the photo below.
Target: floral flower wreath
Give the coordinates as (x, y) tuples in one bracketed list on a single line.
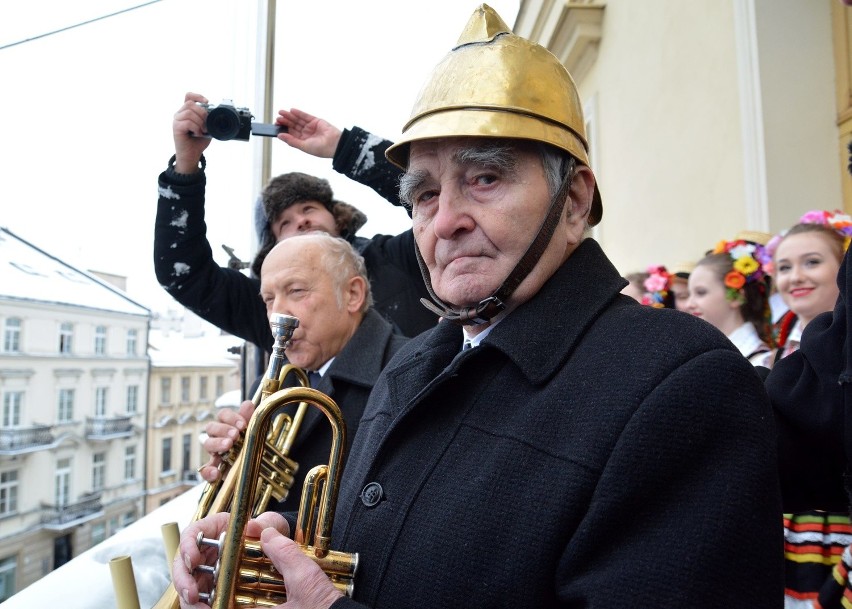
[(748, 259), (838, 221), (657, 286)]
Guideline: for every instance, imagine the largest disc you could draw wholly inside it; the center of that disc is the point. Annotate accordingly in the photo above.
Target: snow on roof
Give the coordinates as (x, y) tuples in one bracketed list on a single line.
[(29, 274), (173, 349)]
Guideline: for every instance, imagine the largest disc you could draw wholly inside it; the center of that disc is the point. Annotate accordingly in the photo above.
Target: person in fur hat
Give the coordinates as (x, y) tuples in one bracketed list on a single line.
[(300, 193), (291, 203)]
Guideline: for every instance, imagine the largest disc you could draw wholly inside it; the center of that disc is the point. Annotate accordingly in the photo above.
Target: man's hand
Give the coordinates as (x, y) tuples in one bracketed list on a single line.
[(307, 585), (221, 435), (188, 132), (189, 556), (308, 133)]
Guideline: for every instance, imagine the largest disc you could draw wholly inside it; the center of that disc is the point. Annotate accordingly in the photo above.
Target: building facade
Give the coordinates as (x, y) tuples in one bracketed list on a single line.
[(73, 394), (705, 118), (189, 373)]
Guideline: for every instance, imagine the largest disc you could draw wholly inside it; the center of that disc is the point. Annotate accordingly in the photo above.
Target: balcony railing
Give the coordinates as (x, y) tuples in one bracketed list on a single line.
[(100, 428), (14, 440), (62, 517)]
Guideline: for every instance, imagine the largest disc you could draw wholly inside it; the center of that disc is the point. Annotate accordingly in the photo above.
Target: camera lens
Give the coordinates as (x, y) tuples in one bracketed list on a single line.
[(223, 123)]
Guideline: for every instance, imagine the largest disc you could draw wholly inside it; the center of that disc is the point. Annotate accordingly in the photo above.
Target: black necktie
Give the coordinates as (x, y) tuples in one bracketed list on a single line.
[(314, 379), (466, 345)]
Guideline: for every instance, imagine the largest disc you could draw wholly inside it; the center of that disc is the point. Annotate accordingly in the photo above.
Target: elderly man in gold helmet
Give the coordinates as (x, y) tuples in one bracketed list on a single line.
[(551, 443)]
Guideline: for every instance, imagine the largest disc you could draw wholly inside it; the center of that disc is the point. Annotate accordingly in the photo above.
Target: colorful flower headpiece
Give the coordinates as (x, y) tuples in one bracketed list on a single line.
[(837, 221), (657, 287), (748, 261)]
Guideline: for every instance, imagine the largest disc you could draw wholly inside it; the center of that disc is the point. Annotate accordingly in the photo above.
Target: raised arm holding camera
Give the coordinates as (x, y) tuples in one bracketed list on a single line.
[(292, 203)]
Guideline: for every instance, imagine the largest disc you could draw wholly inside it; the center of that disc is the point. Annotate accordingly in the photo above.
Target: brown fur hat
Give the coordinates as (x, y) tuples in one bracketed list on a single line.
[(289, 188)]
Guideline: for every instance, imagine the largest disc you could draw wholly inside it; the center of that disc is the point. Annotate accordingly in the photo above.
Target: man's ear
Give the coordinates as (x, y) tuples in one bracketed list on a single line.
[(580, 195), (356, 293)]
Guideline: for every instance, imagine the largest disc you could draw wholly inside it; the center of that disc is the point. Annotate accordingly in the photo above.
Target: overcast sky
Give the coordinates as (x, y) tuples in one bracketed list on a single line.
[(87, 112)]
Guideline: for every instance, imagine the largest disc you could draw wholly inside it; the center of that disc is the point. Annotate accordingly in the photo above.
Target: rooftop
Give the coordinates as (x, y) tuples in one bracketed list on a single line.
[(30, 274)]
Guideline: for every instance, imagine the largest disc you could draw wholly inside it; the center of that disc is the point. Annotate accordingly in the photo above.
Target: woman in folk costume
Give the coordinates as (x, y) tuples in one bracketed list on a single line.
[(805, 264)]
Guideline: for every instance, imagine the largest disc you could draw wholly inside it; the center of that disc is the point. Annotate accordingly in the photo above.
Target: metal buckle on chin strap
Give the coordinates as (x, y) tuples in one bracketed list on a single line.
[(482, 313)]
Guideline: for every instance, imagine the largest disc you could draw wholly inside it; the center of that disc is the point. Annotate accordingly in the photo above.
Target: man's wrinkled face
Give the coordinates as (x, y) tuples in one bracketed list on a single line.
[(304, 217), (476, 207), (295, 281)]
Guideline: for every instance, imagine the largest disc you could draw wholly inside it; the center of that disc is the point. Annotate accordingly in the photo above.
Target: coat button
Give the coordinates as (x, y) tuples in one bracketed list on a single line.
[(372, 494)]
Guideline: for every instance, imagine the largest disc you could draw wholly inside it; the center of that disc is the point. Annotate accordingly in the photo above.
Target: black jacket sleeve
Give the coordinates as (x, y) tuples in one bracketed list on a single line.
[(360, 156), (185, 268)]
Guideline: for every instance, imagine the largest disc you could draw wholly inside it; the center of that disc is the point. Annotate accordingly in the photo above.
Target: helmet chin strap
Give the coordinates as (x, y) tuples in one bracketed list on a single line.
[(488, 308)]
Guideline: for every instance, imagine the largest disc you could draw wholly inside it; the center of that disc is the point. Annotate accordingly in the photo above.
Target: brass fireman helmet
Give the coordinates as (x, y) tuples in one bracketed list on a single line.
[(497, 84)]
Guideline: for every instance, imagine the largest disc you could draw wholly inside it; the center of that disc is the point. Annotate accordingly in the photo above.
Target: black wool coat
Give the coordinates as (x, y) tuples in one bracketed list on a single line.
[(591, 452)]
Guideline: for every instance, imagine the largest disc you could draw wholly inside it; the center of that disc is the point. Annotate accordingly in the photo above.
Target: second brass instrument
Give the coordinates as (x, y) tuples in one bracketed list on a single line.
[(277, 469)]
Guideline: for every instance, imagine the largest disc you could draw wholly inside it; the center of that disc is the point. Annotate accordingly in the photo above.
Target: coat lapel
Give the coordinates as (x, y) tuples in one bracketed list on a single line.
[(358, 363)]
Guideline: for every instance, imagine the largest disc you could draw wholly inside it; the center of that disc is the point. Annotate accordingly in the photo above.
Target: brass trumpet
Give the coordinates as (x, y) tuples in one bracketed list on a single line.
[(277, 469), (243, 575)]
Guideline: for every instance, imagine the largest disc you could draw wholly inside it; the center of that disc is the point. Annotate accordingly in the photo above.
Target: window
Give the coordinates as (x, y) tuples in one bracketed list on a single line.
[(8, 492), (132, 399), (129, 462), (165, 390), (8, 566), (12, 335), (101, 401), (98, 471), (220, 385), (100, 340), (62, 487), (98, 533), (184, 389), (127, 519), (66, 337), (167, 456), (12, 404), (202, 388), (186, 453), (131, 342), (66, 406)]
